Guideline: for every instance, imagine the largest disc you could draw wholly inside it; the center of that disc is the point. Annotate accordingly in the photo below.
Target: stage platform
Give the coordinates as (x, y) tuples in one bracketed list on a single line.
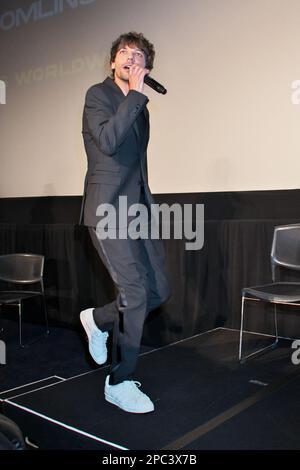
[(204, 399)]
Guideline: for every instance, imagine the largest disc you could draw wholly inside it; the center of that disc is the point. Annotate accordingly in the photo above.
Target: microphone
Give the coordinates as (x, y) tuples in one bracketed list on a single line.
[(155, 85)]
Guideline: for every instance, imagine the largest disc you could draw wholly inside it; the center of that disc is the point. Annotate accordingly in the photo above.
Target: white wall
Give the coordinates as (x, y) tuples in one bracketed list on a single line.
[(227, 122)]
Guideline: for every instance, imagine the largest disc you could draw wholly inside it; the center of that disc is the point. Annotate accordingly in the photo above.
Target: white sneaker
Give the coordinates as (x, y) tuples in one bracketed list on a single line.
[(128, 397), (97, 338)]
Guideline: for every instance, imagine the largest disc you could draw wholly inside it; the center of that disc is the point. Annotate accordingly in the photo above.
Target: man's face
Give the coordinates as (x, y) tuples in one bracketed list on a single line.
[(125, 58)]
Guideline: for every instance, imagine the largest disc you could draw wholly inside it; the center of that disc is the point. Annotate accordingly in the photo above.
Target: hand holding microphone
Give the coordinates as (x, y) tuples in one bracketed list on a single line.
[(136, 78)]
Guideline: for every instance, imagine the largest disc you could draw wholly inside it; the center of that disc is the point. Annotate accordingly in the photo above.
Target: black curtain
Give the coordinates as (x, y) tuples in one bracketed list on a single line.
[(206, 284)]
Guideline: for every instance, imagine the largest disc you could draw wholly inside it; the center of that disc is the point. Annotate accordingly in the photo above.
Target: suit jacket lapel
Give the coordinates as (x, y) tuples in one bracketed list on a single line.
[(119, 97)]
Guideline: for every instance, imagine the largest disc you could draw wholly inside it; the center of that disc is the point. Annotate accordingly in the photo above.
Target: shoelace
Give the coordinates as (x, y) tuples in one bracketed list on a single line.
[(99, 333), (135, 382)]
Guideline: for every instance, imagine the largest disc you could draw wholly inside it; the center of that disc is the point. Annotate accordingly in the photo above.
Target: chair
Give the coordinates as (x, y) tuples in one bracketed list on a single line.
[(22, 269), (285, 253)]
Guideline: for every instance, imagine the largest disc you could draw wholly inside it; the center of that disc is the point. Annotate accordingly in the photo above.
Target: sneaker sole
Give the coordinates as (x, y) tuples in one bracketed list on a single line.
[(129, 410), (84, 323)]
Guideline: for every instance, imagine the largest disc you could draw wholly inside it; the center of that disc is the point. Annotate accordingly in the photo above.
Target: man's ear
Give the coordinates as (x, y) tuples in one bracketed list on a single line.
[(113, 66)]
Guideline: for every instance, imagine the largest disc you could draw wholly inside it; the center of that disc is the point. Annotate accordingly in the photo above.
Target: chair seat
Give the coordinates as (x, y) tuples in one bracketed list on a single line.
[(275, 292), (9, 297)]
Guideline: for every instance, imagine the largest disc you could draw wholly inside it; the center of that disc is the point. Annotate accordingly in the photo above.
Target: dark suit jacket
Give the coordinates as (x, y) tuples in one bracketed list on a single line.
[(116, 134)]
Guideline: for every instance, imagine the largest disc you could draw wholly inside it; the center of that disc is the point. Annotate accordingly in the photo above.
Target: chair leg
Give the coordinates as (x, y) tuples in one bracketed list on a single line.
[(255, 353), (20, 323), (276, 327), (46, 315), (241, 329)]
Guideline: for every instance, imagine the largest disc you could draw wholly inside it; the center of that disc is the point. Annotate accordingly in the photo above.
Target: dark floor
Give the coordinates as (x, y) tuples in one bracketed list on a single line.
[(62, 353), (204, 398)]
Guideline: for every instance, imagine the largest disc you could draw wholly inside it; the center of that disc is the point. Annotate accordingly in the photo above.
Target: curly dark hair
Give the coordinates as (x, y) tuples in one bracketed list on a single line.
[(137, 40)]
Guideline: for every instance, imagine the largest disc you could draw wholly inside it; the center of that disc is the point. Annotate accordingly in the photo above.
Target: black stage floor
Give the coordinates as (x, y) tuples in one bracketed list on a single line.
[(204, 399)]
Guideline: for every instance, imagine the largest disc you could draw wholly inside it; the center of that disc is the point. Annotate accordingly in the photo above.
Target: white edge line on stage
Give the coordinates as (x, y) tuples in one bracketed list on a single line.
[(180, 341), (149, 352), (66, 426), (256, 333), (105, 367), (89, 372), (35, 390), (61, 378), (27, 385)]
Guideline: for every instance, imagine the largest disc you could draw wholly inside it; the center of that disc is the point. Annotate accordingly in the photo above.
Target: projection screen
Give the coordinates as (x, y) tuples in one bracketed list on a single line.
[(229, 122)]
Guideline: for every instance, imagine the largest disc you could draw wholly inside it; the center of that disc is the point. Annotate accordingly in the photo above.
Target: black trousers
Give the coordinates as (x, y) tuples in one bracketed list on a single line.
[(137, 268)]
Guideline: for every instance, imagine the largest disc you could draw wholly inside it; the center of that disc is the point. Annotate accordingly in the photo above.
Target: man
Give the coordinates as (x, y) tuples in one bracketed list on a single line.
[(116, 134)]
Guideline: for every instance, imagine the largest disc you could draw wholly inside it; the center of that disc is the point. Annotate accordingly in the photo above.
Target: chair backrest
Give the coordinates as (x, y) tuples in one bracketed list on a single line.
[(21, 268), (286, 247)]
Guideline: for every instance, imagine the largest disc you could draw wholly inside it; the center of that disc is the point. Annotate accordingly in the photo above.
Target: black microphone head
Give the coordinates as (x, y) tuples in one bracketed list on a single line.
[(154, 85)]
